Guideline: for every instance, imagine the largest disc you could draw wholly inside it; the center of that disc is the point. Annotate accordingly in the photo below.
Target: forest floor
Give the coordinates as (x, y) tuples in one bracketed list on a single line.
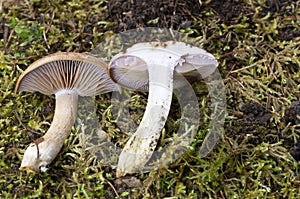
[(257, 45)]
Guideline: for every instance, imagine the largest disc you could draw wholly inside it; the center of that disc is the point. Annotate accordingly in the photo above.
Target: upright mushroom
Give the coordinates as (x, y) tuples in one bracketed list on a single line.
[(66, 75), (154, 66)]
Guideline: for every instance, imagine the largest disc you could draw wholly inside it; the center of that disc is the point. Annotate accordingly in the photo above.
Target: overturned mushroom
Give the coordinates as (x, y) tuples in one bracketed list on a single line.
[(66, 75), (154, 66)]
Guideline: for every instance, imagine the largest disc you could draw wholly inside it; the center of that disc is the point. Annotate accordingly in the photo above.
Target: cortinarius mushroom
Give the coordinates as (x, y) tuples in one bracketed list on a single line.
[(66, 75), (154, 66)]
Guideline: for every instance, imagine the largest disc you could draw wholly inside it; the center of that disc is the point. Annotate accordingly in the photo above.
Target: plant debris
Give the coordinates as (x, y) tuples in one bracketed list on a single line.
[(257, 44)]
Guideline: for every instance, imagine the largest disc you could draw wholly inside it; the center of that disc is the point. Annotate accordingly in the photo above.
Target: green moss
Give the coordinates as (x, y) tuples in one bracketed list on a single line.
[(257, 46)]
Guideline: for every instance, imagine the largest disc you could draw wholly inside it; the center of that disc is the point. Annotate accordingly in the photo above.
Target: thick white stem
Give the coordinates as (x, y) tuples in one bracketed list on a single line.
[(43, 151), (142, 144)]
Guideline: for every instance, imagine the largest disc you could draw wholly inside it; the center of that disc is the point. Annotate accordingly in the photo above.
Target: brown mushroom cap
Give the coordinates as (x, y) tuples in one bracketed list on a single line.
[(78, 72), (131, 71)]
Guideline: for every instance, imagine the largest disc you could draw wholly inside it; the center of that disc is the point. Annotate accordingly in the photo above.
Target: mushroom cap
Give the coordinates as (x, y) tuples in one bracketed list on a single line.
[(129, 68), (82, 73)]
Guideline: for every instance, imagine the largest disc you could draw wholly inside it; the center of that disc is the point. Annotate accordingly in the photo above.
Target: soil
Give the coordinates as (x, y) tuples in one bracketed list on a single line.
[(176, 14), (292, 114)]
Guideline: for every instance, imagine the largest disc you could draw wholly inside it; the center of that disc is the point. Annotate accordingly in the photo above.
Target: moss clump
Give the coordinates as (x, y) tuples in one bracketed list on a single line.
[(257, 45)]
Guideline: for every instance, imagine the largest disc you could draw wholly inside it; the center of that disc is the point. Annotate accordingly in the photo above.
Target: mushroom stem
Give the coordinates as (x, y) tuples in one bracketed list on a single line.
[(42, 151), (142, 144)]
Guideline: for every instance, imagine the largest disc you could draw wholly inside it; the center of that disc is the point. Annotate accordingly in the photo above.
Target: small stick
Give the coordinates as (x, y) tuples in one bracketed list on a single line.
[(109, 183), (25, 127), (9, 38), (45, 39)]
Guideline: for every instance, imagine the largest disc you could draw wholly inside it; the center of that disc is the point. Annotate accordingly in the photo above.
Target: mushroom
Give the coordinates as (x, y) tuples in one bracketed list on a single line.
[(67, 75), (154, 66)]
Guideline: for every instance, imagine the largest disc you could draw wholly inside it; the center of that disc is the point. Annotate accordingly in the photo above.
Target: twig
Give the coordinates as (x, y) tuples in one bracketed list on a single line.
[(241, 69), (9, 38), (49, 25), (47, 29), (112, 187), (45, 39), (28, 129)]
